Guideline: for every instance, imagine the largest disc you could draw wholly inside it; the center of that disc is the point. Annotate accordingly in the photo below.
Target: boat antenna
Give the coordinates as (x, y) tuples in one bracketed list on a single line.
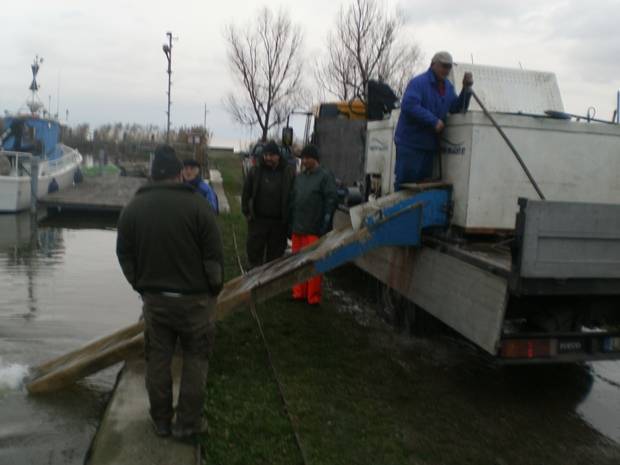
[(34, 105)]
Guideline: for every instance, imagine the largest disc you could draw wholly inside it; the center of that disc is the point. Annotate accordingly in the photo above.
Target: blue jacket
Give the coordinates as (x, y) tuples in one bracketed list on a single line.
[(207, 192), (421, 107)]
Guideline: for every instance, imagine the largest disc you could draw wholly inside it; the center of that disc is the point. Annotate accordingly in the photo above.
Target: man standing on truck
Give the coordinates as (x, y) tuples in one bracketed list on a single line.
[(313, 202), (170, 250), (264, 202), (423, 111)]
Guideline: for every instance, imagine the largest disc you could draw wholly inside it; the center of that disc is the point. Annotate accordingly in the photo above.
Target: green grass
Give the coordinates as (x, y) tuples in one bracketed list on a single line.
[(106, 170), (248, 423), (362, 395)]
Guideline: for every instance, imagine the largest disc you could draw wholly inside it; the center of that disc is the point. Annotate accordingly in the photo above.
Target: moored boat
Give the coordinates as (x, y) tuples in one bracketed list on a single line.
[(33, 137)]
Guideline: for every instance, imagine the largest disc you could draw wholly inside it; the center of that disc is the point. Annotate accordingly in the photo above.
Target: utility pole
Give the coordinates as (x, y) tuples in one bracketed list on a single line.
[(167, 48), (205, 124)]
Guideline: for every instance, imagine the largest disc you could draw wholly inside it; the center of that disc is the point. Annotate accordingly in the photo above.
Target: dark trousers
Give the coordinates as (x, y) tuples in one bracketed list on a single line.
[(412, 165), (191, 321), (266, 241)]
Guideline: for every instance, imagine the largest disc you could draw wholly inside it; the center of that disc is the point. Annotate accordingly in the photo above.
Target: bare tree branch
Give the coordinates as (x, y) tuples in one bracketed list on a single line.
[(364, 45), (265, 58)]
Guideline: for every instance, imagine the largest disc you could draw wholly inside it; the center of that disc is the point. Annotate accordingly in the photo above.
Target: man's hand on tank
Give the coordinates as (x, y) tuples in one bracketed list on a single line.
[(439, 126), (468, 80)]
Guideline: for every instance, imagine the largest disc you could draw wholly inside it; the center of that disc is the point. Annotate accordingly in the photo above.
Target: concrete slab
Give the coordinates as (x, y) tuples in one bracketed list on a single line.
[(217, 183), (101, 193), (126, 437)]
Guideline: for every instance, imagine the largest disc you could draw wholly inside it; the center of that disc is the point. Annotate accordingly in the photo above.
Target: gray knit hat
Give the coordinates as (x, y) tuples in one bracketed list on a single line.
[(165, 163)]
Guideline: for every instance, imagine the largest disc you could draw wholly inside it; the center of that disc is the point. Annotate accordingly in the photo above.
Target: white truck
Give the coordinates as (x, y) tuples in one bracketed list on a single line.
[(524, 279)]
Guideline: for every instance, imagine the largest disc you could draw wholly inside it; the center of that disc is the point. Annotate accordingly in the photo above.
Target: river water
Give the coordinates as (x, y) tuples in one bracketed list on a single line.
[(60, 286)]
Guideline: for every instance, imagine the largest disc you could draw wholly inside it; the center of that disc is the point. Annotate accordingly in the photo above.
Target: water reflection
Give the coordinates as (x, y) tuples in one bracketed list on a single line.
[(60, 286), (22, 244)]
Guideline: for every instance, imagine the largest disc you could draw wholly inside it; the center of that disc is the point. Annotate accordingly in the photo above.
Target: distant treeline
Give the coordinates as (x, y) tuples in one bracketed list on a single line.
[(134, 141)]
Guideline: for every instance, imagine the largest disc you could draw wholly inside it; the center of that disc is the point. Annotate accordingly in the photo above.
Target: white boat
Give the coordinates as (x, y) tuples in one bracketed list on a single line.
[(28, 138), (54, 174)]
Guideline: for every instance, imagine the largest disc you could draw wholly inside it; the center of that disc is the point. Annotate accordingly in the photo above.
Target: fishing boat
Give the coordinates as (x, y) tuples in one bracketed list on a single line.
[(30, 142)]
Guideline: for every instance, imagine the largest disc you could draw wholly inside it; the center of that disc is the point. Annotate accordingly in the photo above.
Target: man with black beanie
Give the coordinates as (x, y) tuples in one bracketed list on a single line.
[(264, 202), (313, 202), (170, 250)]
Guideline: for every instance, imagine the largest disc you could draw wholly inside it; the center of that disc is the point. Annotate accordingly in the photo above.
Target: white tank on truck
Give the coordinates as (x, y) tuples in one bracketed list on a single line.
[(576, 161)]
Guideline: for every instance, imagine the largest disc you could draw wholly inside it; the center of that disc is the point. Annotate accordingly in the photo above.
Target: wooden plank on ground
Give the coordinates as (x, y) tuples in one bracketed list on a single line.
[(263, 282)]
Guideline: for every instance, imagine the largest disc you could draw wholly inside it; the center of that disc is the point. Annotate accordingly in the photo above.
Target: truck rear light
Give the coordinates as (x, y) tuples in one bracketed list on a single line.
[(527, 348)]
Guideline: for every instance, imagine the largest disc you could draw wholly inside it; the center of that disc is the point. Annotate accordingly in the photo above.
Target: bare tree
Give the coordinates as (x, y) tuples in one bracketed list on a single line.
[(265, 59), (366, 44)]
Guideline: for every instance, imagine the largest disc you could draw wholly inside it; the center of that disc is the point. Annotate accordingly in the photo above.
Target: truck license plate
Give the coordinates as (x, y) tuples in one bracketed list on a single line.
[(569, 346)]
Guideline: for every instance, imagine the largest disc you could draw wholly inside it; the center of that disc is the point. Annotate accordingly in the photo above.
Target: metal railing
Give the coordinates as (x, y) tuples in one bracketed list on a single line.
[(16, 160), (21, 161), (69, 156)]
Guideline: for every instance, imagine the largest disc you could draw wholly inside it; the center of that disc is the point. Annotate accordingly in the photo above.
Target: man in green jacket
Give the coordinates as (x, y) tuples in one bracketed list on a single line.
[(170, 250), (313, 201), (264, 202)]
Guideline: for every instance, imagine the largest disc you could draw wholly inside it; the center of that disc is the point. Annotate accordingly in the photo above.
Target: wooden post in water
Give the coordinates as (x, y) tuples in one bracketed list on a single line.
[(34, 183)]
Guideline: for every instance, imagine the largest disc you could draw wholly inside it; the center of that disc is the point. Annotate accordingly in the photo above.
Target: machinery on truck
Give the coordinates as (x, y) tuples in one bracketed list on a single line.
[(524, 279)]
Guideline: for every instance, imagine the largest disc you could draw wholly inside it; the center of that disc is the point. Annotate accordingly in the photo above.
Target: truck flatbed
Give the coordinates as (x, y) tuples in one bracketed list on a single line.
[(476, 287)]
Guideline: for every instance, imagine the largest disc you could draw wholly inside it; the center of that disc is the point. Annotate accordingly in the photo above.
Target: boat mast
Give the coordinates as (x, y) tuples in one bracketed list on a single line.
[(34, 105)]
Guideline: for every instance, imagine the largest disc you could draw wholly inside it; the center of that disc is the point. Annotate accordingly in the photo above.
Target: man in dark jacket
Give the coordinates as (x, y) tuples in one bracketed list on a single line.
[(265, 205), (423, 111), (170, 251), (313, 201)]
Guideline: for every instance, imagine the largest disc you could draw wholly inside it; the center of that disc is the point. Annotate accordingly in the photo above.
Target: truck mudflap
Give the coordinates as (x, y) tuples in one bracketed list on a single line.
[(566, 248)]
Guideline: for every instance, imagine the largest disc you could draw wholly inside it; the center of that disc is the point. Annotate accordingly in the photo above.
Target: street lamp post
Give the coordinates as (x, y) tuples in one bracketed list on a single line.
[(167, 48)]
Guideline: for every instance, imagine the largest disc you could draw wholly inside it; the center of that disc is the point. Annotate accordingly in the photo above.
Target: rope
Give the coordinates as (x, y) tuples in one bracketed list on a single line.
[(270, 359)]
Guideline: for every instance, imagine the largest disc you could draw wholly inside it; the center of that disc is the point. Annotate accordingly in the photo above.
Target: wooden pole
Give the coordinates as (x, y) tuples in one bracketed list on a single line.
[(34, 183), (91, 348), (261, 283), (87, 365), (67, 369)]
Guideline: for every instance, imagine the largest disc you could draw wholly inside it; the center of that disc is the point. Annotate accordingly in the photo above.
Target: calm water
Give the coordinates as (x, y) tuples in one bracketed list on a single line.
[(60, 286)]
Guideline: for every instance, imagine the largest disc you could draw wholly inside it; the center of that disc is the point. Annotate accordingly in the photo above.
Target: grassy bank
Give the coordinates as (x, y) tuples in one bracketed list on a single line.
[(360, 394)]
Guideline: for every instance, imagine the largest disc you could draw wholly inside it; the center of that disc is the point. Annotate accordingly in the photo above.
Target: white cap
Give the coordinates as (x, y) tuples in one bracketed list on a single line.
[(442, 57)]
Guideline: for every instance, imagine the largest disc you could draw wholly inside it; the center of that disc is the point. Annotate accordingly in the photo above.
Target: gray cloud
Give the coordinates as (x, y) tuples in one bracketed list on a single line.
[(109, 57)]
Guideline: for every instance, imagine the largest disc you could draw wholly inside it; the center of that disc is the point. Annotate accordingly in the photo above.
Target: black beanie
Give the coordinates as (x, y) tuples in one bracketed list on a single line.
[(191, 162), (310, 151), (165, 163), (271, 147)]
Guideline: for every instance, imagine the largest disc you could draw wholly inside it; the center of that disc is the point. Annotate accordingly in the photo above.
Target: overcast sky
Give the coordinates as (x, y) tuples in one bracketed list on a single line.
[(103, 59)]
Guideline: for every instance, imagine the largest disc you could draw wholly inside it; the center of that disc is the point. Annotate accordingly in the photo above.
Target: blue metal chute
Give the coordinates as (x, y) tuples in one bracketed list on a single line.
[(400, 224)]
